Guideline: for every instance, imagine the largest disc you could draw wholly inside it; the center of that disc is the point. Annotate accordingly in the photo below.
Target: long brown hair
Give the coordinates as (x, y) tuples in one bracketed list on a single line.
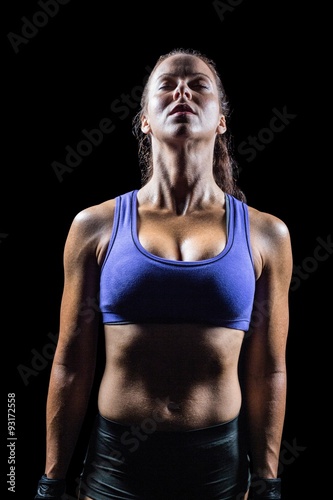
[(225, 168)]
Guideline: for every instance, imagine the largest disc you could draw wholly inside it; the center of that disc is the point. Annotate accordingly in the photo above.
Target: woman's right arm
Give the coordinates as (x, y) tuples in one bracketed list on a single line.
[(74, 361)]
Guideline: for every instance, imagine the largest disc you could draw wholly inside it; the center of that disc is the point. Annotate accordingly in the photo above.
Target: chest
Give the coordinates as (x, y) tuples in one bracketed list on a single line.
[(197, 236)]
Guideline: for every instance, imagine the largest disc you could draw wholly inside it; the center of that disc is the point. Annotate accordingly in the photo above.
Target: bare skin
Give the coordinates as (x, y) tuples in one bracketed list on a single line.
[(182, 376)]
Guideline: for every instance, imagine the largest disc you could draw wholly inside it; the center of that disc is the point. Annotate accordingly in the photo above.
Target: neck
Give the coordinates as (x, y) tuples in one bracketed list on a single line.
[(182, 196), (182, 177)]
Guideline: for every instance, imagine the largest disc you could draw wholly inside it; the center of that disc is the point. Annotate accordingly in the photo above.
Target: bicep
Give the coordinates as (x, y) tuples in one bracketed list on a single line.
[(79, 312), (270, 317)]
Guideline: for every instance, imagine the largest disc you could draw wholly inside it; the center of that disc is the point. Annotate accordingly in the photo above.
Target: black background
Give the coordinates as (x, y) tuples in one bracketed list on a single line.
[(64, 79)]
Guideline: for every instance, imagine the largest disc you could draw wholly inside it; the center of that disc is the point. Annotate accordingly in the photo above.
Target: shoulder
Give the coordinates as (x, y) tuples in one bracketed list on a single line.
[(270, 240), (267, 224), (90, 231), (94, 218), (90, 220)]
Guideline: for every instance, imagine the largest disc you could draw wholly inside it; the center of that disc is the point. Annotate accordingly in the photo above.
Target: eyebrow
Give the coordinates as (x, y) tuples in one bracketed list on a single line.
[(190, 74)]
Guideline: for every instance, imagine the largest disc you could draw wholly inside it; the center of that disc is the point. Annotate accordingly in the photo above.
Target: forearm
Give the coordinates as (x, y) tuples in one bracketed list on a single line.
[(67, 402), (266, 399)]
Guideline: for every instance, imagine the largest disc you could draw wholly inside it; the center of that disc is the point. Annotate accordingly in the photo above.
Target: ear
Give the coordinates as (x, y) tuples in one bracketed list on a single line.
[(221, 128), (145, 127)]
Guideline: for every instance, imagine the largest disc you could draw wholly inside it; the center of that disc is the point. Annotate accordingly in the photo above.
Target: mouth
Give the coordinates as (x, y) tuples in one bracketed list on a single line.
[(182, 109)]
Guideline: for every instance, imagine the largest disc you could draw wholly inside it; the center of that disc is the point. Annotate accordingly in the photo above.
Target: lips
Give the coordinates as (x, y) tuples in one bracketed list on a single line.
[(181, 108)]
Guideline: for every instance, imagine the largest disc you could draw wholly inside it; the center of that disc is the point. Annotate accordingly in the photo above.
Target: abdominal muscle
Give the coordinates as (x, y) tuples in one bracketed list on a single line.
[(173, 377)]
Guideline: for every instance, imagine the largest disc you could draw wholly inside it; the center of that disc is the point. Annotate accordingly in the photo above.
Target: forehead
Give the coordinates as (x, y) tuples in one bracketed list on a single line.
[(183, 65)]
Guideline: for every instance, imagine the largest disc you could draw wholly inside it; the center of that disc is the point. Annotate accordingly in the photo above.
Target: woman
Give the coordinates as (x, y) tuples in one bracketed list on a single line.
[(193, 292)]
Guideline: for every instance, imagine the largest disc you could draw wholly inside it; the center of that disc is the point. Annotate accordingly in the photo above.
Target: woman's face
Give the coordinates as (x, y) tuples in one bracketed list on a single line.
[(183, 101)]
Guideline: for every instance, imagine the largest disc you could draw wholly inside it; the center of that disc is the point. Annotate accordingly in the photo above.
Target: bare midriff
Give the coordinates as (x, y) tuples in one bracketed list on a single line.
[(171, 377)]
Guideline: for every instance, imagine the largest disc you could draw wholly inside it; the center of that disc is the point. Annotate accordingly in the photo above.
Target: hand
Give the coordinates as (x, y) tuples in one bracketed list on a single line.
[(50, 489), (265, 489)]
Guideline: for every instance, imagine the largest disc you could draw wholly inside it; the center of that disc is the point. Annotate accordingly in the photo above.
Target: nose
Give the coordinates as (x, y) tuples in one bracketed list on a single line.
[(182, 90)]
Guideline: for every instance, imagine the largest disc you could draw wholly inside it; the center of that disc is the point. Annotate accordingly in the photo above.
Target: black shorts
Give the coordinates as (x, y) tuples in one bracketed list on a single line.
[(132, 462)]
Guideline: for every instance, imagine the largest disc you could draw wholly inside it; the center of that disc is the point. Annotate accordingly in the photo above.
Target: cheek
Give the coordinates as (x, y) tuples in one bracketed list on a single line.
[(213, 111), (155, 106), (155, 111)]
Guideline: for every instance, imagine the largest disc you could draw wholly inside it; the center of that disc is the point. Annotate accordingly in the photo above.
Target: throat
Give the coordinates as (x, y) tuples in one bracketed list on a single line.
[(182, 204), (181, 207)]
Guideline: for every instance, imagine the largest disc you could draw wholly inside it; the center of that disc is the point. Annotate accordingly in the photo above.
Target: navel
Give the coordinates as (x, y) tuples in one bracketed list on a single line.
[(172, 406)]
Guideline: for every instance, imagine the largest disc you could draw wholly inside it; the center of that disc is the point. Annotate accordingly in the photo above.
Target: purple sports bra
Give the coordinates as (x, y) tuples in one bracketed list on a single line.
[(139, 287)]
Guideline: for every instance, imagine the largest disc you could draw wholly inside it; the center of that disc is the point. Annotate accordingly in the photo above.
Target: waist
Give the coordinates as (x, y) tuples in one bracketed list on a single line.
[(200, 435), (171, 414)]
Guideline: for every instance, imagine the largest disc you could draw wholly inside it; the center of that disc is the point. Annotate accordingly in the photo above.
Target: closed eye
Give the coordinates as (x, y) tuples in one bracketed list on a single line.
[(193, 86)]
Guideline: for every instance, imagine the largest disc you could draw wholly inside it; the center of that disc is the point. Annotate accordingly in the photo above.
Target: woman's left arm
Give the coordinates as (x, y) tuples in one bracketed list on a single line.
[(265, 375)]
